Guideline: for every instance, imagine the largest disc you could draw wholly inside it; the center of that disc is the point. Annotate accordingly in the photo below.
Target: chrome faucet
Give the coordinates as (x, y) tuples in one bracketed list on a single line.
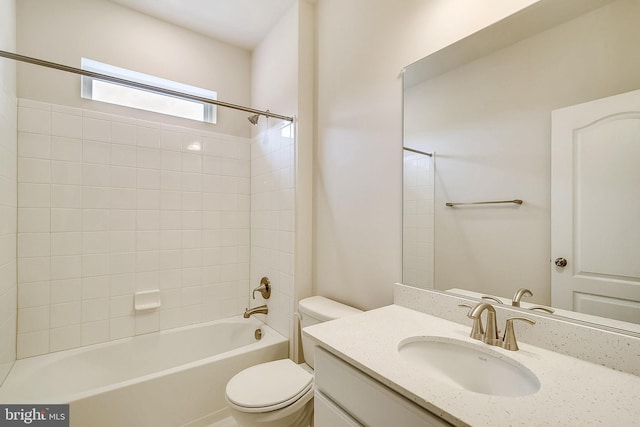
[(518, 296), (490, 335), (263, 309)]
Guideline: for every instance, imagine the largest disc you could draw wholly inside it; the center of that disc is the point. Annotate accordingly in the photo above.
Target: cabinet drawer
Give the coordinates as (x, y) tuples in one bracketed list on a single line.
[(328, 414), (364, 398)]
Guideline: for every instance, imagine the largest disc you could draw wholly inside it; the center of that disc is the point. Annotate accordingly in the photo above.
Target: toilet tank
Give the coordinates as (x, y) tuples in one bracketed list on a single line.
[(319, 309)]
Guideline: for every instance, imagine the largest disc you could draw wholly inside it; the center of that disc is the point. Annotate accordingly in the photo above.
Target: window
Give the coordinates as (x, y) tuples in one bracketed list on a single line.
[(129, 96)]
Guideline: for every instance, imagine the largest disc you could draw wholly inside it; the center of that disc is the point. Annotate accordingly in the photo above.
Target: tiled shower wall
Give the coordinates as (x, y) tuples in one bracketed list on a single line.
[(109, 206), (273, 219), (418, 220), (8, 210)]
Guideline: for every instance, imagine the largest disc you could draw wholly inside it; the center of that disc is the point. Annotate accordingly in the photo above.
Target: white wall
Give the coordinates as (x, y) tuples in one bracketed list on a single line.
[(282, 81), (362, 45), (8, 190), (490, 123), (63, 31)]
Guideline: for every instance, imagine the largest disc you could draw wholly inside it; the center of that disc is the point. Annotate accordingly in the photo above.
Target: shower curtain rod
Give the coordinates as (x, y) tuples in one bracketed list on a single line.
[(55, 66), (418, 151)]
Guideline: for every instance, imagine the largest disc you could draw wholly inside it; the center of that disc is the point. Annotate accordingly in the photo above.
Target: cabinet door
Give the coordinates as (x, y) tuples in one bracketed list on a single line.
[(327, 414), (365, 399)]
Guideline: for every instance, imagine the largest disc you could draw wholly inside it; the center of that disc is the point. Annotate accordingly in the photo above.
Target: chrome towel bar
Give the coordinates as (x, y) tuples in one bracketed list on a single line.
[(516, 201)]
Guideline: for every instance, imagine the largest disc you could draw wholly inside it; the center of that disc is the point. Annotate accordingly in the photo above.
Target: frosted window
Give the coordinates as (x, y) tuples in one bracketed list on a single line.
[(115, 93)]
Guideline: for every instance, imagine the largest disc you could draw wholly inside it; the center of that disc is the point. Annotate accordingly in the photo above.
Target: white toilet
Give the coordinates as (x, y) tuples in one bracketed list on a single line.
[(280, 393)]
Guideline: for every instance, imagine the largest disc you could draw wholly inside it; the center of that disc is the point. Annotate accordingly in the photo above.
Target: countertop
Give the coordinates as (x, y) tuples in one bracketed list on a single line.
[(573, 392)]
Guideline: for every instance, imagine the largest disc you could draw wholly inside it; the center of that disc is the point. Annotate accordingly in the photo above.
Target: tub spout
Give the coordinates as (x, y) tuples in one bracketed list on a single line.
[(263, 309)]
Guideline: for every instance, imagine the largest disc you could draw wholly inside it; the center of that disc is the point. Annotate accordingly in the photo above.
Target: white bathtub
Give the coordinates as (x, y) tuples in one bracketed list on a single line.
[(168, 378)]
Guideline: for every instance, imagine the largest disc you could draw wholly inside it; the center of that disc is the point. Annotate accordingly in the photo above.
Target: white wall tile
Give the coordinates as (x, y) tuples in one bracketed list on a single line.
[(66, 149), (95, 309), (66, 125), (96, 197), (121, 305), (33, 294), (96, 130), (65, 338), (148, 158), (32, 344), (148, 199), (122, 327), (95, 265), (96, 175), (66, 267), (34, 121), (34, 245), (121, 263), (96, 242), (66, 290), (148, 179), (96, 152), (34, 145), (122, 155), (148, 137), (31, 319), (34, 195), (66, 173), (33, 269), (123, 177), (33, 220), (95, 219), (123, 284), (122, 133), (66, 196), (95, 287), (171, 141), (123, 199), (68, 243), (66, 314), (171, 160)]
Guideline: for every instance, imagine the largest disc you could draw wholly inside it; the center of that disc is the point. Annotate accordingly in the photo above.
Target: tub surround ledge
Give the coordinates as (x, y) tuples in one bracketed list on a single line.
[(572, 392)]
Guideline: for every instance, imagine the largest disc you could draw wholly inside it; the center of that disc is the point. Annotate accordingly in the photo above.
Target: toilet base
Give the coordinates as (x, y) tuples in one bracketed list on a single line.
[(285, 417)]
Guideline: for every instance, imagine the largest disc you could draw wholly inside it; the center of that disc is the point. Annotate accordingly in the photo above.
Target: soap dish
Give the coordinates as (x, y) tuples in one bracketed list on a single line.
[(146, 300)]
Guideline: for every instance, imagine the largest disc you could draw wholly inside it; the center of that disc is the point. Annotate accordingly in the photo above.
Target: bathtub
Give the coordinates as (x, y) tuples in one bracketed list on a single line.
[(169, 378)]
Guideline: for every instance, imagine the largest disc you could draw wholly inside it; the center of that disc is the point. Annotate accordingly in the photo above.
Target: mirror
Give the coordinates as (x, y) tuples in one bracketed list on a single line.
[(483, 107)]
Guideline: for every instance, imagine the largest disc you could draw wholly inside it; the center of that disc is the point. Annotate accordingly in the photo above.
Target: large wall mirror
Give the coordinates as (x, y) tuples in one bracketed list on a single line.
[(483, 109)]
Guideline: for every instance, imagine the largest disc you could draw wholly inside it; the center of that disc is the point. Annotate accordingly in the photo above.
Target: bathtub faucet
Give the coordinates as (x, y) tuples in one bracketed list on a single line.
[(263, 309)]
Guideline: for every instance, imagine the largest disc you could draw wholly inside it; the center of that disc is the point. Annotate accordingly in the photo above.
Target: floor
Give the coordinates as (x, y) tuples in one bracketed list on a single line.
[(226, 422)]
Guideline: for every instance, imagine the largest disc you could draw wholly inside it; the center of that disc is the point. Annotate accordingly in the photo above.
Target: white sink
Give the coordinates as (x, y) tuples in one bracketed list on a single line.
[(473, 367)]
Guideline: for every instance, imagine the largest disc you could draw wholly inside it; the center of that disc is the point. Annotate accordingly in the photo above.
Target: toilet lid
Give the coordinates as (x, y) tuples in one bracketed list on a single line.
[(269, 386)]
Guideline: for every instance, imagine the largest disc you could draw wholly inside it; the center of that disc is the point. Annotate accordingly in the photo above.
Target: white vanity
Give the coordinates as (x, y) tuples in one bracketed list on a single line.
[(363, 377)]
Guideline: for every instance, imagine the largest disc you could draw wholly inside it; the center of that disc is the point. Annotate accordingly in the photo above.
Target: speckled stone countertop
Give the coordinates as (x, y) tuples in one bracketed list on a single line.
[(573, 392)]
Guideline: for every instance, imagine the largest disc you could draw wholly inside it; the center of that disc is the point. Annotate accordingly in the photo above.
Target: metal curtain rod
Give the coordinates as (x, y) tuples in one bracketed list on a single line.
[(516, 201), (174, 93), (418, 151)]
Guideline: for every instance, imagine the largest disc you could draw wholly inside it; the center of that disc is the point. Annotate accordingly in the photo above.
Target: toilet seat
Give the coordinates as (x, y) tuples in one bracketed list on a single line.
[(268, 386)]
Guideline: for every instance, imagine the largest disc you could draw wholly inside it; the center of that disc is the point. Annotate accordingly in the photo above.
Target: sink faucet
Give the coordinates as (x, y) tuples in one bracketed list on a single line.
[(515, 302), (263, 309), (491, 332)]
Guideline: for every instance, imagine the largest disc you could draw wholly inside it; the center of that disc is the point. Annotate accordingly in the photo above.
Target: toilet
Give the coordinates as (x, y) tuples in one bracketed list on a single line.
[(280, 393)]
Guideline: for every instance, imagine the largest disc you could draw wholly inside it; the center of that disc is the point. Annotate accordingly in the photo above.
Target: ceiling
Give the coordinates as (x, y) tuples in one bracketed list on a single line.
[(242, 23)]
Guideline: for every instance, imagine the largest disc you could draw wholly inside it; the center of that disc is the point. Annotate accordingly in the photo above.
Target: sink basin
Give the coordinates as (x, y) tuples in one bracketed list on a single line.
[(472, 367)]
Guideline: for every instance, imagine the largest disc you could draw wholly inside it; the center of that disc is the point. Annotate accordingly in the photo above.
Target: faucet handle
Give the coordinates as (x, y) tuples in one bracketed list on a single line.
[(487, 297), (542, 308), (509, 339), (264, 288), (477, 331)]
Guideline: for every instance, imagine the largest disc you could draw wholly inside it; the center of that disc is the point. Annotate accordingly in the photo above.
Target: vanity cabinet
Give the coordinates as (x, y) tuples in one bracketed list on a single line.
[(345, 396)]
